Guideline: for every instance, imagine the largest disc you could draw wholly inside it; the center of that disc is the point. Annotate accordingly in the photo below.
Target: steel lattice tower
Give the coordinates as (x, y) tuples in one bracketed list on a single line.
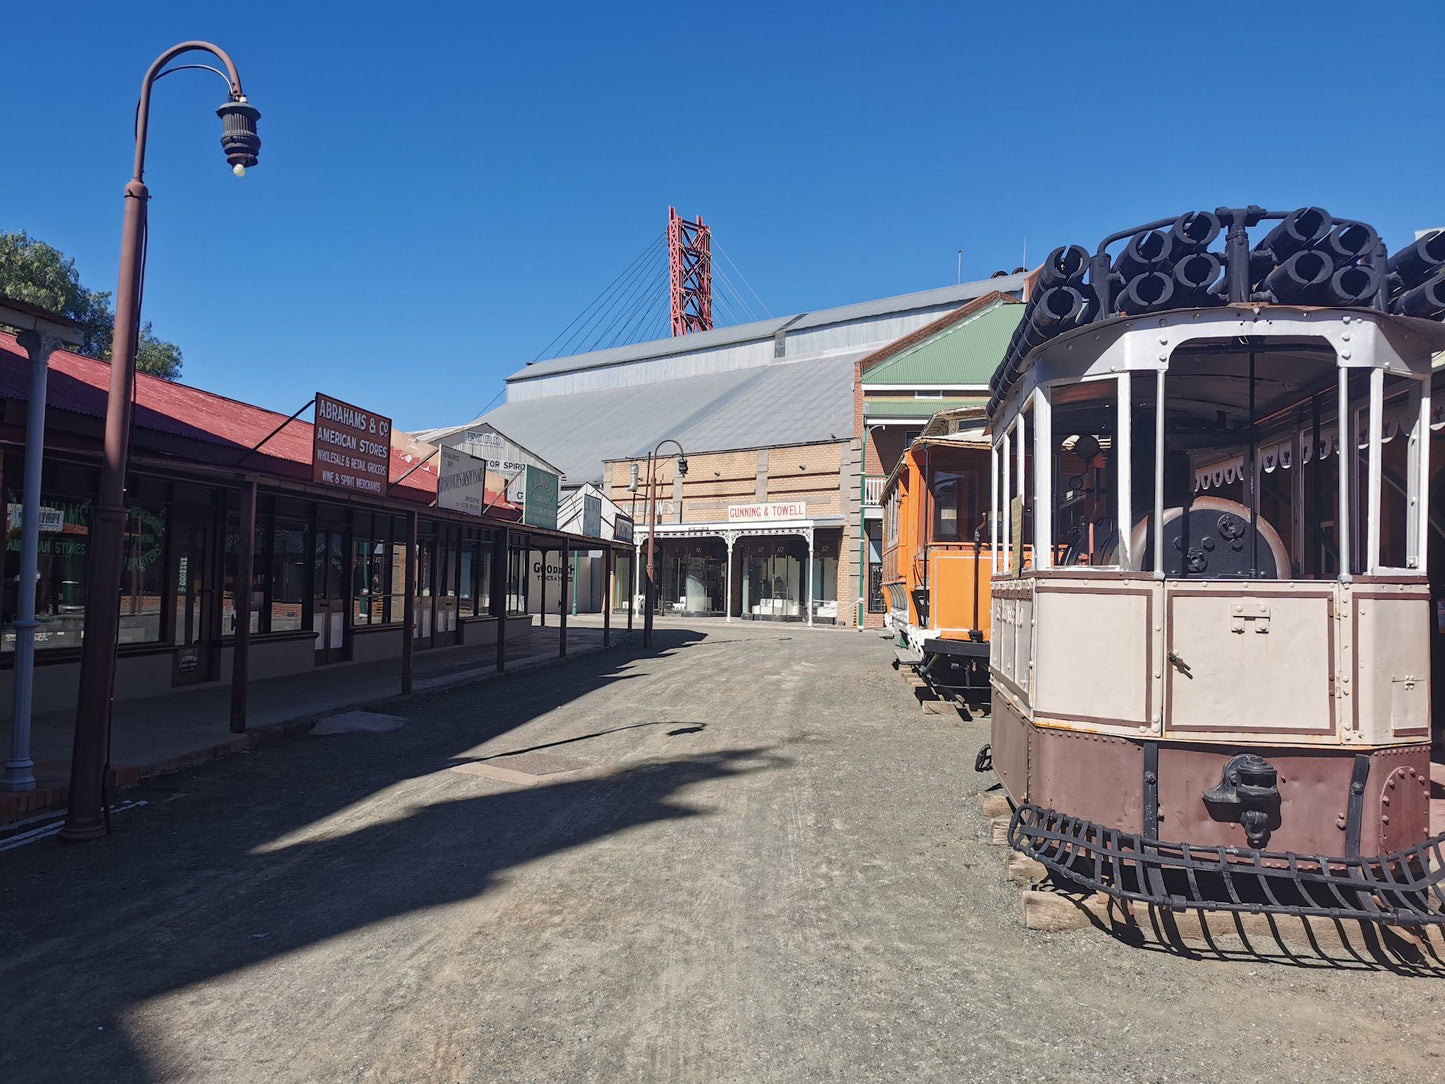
[(689, 261)]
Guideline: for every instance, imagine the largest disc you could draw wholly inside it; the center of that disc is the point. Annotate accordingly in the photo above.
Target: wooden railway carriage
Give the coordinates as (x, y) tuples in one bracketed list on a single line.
[(1210, 653), (937, 556)]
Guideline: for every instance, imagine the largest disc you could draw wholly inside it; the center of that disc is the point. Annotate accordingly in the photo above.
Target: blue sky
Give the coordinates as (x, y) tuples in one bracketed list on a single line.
[(443, 186)]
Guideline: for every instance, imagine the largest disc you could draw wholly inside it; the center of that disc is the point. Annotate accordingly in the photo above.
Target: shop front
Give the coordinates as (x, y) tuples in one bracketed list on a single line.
[(779, 572), (329, 578)]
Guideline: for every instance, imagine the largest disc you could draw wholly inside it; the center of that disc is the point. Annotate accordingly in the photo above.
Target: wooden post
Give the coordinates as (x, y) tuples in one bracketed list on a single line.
[(500, 562), (241, 597), (408, 606)]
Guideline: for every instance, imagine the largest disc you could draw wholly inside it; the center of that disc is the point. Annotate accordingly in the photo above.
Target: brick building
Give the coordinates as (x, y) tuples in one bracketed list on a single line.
[(755, 533)]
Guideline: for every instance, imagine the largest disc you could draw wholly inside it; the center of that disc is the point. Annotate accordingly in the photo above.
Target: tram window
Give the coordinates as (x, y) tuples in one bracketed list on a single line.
[(1085, 474), (1250, 474), (1400, 407)]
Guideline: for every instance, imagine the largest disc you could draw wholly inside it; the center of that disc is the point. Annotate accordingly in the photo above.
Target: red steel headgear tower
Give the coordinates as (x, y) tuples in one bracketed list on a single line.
[(689, 262)]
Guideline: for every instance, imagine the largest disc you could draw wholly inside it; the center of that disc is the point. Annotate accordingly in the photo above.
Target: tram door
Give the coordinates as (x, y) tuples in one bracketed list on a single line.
[(330, 579), (193, 570)]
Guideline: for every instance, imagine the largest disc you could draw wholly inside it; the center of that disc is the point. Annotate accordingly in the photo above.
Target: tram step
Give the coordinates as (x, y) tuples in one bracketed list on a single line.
[(906, 656)]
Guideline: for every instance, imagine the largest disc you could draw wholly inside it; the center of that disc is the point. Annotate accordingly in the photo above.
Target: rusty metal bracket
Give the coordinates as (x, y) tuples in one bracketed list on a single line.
[(1405, 888)]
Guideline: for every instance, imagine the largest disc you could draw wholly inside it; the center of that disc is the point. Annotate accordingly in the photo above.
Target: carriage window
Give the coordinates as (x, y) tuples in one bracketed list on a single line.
[(955, 506), (1085, 474)]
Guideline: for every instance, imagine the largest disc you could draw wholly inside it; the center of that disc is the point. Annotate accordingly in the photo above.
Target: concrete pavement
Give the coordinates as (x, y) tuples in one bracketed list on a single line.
[(746, 857)]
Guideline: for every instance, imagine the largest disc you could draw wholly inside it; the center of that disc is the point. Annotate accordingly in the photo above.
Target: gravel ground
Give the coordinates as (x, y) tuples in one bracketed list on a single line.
[(745, 858)]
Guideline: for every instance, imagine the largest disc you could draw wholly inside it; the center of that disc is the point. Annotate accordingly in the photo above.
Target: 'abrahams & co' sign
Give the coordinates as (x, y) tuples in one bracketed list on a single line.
[(351, 447)]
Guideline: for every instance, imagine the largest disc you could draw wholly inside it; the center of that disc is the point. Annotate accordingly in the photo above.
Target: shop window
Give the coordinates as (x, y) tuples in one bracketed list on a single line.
[(396, 579), (483, 586), (143, 577), (60, 584), (288, 576), (228, 575), (368, 589)]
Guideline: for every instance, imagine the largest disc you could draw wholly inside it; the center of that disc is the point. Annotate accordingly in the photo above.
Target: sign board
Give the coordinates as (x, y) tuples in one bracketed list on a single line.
[(503, 456), (1016, 534), (622, 528), (592, 515), (52, 520), (351, 447), (462, 482), (536, 491), (776, 510)]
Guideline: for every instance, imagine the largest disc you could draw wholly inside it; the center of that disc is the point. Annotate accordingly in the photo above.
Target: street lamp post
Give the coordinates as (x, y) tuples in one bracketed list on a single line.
[(649, 588), (85, 818)]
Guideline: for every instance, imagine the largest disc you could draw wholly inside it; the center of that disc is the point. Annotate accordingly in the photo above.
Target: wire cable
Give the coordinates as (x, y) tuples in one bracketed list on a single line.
[(744, 278), (620, 309), (621, 297), (646, 250)]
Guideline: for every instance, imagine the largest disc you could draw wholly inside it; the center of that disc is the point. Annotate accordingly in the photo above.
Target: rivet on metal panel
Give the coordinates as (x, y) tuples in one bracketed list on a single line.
[(1345, 336), (1385, 819), (1345, 354)]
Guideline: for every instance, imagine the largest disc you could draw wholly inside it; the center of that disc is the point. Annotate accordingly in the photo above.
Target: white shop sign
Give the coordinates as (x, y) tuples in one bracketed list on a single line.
[(776, 510), (52, 520), (462, 482)]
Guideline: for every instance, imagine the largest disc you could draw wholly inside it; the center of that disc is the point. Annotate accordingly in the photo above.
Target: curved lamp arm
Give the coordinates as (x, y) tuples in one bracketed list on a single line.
[(154, 72)]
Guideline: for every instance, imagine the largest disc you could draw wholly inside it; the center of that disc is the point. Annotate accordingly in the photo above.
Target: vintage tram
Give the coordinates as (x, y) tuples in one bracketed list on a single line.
[(937, 556), (1210, 651)]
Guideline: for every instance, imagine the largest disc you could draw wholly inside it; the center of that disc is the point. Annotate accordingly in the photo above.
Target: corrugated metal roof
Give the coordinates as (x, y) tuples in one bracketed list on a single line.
[(784, 403), (917, 408), (80, 385), (765, 329), (963, 353)]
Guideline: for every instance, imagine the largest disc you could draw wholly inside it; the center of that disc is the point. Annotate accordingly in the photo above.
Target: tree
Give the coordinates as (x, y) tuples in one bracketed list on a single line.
[(31, 270)]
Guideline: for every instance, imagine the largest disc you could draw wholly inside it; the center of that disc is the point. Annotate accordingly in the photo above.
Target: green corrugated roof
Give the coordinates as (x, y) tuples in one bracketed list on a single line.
[(917, 408), (963, 353)]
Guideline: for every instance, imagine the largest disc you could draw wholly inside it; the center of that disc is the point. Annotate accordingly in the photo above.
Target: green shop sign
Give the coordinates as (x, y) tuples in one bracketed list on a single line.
[(539, 498)]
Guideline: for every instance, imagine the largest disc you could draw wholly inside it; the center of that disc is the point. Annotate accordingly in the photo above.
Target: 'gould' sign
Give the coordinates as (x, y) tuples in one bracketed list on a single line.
[(350, 447)]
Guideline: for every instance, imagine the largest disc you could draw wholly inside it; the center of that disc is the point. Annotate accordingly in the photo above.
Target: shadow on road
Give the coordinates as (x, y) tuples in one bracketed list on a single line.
[(240, 862)]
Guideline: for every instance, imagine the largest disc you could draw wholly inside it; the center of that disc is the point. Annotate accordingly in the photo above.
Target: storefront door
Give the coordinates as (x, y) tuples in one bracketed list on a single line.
[(328, 593), (193, 569), (426, 580)]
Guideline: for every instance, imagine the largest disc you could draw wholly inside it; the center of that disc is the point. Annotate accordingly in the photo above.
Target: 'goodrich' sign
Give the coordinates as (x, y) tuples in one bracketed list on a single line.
[(350, 448)]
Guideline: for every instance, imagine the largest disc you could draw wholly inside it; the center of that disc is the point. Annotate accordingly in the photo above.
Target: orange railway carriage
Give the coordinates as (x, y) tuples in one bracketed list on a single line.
[(936, 555)]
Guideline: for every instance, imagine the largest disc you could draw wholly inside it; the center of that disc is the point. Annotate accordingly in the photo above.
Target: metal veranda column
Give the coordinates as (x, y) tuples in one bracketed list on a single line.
[(20, 769), (609, 591), (809, 537), (636, 581), (500, 569), (565, 554), (241, 594), (728, 579)]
